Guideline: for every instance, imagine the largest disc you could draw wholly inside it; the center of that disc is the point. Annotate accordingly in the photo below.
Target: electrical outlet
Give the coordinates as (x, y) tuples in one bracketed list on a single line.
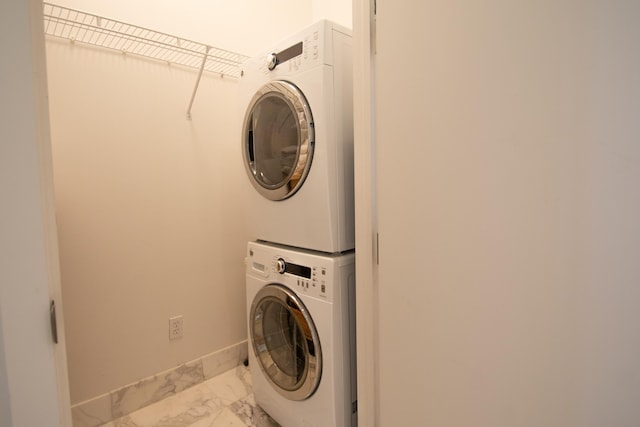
[(175, 327)]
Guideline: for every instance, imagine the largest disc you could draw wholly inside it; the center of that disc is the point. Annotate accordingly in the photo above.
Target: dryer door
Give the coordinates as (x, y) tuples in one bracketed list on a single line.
[(285, 342), (278, 139)]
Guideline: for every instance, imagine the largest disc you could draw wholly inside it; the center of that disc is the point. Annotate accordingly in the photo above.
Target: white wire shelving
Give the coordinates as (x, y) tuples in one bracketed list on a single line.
[(108, 33), (95, 30)]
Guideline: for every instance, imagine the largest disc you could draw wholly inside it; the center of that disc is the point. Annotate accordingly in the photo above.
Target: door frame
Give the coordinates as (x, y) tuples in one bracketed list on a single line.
[(365, 211), (33, 372)]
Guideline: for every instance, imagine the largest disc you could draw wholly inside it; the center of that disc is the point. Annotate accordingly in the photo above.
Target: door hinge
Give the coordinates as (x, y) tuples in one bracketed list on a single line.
[(54, 322), (374, 35)]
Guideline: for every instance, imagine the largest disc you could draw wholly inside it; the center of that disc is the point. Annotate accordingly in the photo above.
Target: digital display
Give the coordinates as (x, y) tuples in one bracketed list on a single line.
[(298, 270), (289, 53)]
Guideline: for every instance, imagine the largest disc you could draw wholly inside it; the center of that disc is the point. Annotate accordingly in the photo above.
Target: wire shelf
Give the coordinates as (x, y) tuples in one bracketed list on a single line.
[(108, 33)]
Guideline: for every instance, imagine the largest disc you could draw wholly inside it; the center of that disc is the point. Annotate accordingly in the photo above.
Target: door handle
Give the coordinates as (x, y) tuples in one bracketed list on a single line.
[(54, 322)]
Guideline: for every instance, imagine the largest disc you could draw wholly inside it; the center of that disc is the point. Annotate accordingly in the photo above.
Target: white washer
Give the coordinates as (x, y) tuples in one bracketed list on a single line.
[(297, 140), (302, 335)]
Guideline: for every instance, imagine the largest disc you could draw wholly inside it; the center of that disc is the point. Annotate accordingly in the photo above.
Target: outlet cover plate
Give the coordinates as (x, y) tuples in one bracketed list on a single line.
[(175, 327)]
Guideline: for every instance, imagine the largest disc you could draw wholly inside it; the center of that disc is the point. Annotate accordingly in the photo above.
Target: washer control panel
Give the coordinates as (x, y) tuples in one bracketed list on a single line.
[(304, 272), (308, 278)]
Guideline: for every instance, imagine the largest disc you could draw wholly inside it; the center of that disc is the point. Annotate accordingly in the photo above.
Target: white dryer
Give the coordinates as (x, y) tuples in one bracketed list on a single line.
[(297, 140), (302, 335)]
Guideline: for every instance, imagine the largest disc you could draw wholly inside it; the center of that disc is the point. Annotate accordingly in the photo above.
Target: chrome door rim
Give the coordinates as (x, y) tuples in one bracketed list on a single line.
[(306, 139), (308, 384)]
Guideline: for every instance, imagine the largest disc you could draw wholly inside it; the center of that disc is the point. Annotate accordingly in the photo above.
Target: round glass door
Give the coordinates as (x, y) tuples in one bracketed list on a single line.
[(278, 140), (285, 342)]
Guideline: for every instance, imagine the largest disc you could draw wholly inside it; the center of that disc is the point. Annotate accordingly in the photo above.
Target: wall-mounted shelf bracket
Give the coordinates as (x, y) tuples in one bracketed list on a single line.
[(195, 89)]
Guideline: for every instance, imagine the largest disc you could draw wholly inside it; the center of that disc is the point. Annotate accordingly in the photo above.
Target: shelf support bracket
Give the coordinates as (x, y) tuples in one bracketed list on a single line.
[(195, 89)]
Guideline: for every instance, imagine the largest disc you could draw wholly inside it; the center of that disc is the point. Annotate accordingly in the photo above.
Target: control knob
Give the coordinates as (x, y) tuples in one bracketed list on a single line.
[(281, 266), (272, 61)]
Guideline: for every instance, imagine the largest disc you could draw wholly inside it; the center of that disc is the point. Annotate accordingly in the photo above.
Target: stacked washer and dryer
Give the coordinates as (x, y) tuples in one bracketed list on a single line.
[(297, 144)]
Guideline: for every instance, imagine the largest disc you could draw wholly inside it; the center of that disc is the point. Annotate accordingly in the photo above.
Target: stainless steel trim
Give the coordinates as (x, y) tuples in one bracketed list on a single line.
[(288, 386), (296, 101)]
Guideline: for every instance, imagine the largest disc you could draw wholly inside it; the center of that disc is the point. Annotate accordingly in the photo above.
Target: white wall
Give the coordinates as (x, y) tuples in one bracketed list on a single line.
[(338, 11), (150, 216), (508, 203)]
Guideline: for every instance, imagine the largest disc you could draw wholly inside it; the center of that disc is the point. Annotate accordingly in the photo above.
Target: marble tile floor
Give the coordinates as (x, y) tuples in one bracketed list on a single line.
[(224, 400)]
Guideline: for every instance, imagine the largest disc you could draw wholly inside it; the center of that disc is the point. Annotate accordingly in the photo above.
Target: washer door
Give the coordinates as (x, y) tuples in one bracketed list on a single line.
[(285, 342), (278, 139)]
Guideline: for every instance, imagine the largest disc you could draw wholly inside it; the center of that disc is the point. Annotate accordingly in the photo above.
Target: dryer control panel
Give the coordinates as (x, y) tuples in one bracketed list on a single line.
[(275, 59), (300, 55), (316, 46)]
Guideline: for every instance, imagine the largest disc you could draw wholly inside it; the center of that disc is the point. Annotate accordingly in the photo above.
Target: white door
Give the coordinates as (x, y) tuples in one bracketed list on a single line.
[(33, 377), (507, 136)]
